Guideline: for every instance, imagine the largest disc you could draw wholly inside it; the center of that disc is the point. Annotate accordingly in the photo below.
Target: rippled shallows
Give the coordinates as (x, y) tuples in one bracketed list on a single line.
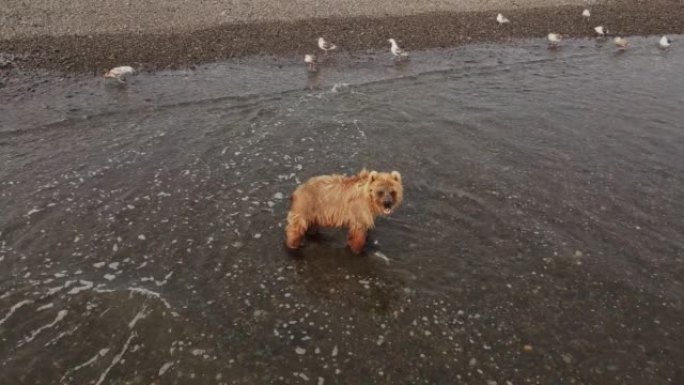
[(541, 240)]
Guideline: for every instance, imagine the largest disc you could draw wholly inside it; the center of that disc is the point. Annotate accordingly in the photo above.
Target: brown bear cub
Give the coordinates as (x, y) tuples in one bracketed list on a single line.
[(343, 201)]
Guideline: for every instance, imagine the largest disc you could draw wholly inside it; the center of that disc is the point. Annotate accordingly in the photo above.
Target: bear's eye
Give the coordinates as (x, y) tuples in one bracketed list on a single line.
[(394, 194), (380, 194)]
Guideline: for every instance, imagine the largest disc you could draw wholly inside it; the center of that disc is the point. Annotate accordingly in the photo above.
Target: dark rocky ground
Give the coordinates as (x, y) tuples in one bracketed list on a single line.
[(94, 53)]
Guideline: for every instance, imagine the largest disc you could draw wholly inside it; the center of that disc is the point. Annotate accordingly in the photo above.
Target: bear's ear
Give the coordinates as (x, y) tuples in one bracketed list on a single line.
[(373, 175), (396, 176)]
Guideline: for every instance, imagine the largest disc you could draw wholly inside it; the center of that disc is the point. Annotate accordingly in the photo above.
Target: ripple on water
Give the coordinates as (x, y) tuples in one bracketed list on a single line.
[(144, 237)]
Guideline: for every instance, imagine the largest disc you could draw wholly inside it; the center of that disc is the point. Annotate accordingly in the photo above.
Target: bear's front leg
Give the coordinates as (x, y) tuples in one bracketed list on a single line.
[(295, 230), (356, 239)]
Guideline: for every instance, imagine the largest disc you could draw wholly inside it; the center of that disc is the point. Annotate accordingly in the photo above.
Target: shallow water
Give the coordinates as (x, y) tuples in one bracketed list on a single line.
[(541, 240)]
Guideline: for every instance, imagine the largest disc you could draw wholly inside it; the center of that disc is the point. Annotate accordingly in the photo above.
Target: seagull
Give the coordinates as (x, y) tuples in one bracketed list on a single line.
[(396, 50), (311, 62), (586, 13), (601, 31), (502, 19), (326, 45), (119, 73), (621, 42), (554, 39), (664, 42)]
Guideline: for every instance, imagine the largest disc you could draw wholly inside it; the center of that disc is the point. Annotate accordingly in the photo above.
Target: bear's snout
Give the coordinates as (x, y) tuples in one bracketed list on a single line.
[(387, 204)]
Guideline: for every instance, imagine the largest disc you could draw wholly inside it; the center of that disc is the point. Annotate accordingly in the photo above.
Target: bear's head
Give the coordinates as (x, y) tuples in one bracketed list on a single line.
[(386, 191)]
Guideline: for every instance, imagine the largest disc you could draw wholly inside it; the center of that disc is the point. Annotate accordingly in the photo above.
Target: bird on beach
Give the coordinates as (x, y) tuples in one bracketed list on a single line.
[(620, 42), (396, 50), (601, 31), (586, 13), (326, 45), (554, 39), (501, 19), (311, 62), (664, 42), (119, 73)]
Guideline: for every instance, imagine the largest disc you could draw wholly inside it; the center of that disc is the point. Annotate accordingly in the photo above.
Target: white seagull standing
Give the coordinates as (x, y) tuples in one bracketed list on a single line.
[(586, 13), (326, 45), (621, 42), (396, 50), (554, 39), (601, 31), (664, 42), (119, 73), (501, 19), (311, 62)]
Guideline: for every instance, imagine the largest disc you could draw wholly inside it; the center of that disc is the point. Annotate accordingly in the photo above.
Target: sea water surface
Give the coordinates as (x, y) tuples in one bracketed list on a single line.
[(541, 240)]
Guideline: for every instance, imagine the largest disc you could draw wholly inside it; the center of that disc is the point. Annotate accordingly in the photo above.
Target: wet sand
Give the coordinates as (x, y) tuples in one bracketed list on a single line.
[(172, 45)]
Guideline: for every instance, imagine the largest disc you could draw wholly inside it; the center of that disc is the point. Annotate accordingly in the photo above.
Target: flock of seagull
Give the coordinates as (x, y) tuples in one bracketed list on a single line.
[(554, 41), (311, 60), (601, 32)]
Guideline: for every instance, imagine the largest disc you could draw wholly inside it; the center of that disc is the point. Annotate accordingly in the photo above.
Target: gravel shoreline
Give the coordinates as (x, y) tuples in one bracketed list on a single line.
[(98, 51), (84, 17)]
